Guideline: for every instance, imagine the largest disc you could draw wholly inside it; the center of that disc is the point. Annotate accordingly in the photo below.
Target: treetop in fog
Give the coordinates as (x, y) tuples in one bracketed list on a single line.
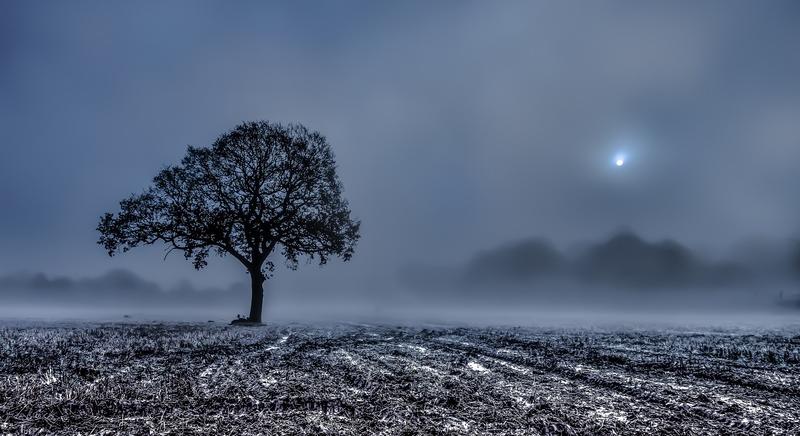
[(260, 187)]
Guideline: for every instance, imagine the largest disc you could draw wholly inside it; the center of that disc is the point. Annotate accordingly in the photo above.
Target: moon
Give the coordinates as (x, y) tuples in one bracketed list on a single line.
[(619, 158)]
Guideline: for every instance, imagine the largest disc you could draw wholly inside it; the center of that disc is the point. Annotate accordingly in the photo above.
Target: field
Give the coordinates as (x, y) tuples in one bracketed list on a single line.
[(366, 379)]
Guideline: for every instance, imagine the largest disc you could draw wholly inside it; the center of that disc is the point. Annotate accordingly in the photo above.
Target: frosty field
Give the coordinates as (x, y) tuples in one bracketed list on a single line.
[(369, 379)]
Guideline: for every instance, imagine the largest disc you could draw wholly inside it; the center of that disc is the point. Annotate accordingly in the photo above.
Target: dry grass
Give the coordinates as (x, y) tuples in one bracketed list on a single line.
[(345, 379)]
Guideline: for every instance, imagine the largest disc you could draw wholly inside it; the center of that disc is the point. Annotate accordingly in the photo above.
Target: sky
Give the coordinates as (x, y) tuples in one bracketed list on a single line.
[(457, 126)]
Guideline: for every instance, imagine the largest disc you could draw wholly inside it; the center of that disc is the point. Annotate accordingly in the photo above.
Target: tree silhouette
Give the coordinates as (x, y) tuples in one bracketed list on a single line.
[(259, 188)]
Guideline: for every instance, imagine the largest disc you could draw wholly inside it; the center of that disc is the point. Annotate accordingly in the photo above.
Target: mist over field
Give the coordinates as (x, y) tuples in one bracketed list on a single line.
[(621, 278)]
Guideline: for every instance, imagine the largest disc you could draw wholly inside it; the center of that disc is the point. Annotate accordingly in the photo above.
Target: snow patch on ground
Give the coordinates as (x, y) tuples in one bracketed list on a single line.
[(348, 357), (416, 348), (267, 381), (277, 345), (49, 377), (426, 368), (475, 366), (745, 405), (510, 365), (604, 414), (456, 425), (207, 372)]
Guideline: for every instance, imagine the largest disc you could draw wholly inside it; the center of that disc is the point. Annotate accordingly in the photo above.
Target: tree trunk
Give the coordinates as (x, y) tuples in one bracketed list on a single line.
[(257, 299)]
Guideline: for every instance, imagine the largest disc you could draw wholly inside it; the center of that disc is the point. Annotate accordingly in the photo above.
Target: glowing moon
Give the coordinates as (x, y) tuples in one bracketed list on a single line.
[(619, 159)]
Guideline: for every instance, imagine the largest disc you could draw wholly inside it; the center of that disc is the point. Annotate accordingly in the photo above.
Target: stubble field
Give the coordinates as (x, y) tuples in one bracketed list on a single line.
[(371, 379)]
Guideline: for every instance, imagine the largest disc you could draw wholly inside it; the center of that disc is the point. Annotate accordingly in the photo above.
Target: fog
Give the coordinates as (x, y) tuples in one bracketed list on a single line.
[(475, 141), (622, 277)]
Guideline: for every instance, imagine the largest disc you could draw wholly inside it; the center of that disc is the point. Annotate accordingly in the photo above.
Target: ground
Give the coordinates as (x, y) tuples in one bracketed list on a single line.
[(368, 379)]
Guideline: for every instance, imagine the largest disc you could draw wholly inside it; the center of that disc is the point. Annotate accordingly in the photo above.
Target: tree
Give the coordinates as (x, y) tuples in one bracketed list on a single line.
[(259, 189)]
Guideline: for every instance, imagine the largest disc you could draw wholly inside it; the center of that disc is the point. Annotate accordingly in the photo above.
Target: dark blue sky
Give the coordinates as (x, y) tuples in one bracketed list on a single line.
[(457, 125)]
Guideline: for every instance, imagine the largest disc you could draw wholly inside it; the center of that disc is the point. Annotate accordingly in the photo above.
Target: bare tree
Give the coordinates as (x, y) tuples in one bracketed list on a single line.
[(260, 188)]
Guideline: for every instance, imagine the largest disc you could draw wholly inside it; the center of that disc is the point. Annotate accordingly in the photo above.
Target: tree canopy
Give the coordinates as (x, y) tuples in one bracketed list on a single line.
[(259, 188)]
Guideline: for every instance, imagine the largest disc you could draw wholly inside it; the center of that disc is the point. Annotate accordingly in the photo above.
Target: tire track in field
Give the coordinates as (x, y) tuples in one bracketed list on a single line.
[(708, 416)]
